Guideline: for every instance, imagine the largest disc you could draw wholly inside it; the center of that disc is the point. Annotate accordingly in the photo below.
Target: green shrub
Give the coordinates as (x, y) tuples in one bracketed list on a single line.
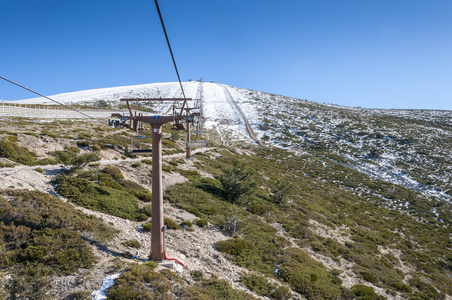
[(238, 181), (142, 217), (151, 264), (173, 163), (197, 275), (137, 190), (167, 169), (37, 211), (136, 165), (369, 277), (427, 290), (114, 172), (99, 198), (401, 287), (281, 293), (39, 170), (167, 143), (140, 281), (132, 243), (190, 174), (147, 227), (186, 224), (147, 210), (70, 157), (5, 165), (307, 276), (46, 161), (364, 292), (10, 150), (24, 286), (108, 182), (170, 224), (257, 284), (234, 246), (200, 222), (147, 161), (144, 196)]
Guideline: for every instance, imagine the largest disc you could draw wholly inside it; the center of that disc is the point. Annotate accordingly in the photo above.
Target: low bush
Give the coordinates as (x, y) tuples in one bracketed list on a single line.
[(197, 275), (10, 150), (364, 292), (258, 284), (200, 222), (142, 217), (186, 224), (71, 157), (281, 293), (147, 210), (140, 281), (170, 224), (136, 189), (307, 276), (44, 236), (45, 162), (99, 198), (147, 227), (131, 284), (114, 172), (234, 246), (426, 291)]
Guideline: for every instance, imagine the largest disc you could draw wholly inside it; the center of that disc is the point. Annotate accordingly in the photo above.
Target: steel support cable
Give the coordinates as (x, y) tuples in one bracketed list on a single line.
[(169, 46), (30, 90)]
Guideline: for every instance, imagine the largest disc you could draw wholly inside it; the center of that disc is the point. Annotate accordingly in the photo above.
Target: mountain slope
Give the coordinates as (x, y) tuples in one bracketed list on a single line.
[(406, 147), (369, 204)]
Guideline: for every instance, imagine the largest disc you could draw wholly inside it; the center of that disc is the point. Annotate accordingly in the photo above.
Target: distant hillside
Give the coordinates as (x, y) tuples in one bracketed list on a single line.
[(336, 202)]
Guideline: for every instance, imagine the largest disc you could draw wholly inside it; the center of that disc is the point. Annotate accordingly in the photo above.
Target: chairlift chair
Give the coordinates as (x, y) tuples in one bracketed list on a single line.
[(202, 140), (135, 149)]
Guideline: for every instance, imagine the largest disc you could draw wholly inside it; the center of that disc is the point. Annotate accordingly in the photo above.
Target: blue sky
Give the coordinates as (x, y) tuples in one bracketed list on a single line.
[(368, 53)]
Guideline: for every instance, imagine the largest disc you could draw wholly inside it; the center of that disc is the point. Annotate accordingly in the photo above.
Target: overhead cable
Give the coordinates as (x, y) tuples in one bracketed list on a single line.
[(169, 46)]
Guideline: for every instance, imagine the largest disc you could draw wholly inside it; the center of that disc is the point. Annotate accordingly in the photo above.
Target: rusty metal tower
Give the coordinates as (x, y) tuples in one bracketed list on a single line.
[(180, 113)]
